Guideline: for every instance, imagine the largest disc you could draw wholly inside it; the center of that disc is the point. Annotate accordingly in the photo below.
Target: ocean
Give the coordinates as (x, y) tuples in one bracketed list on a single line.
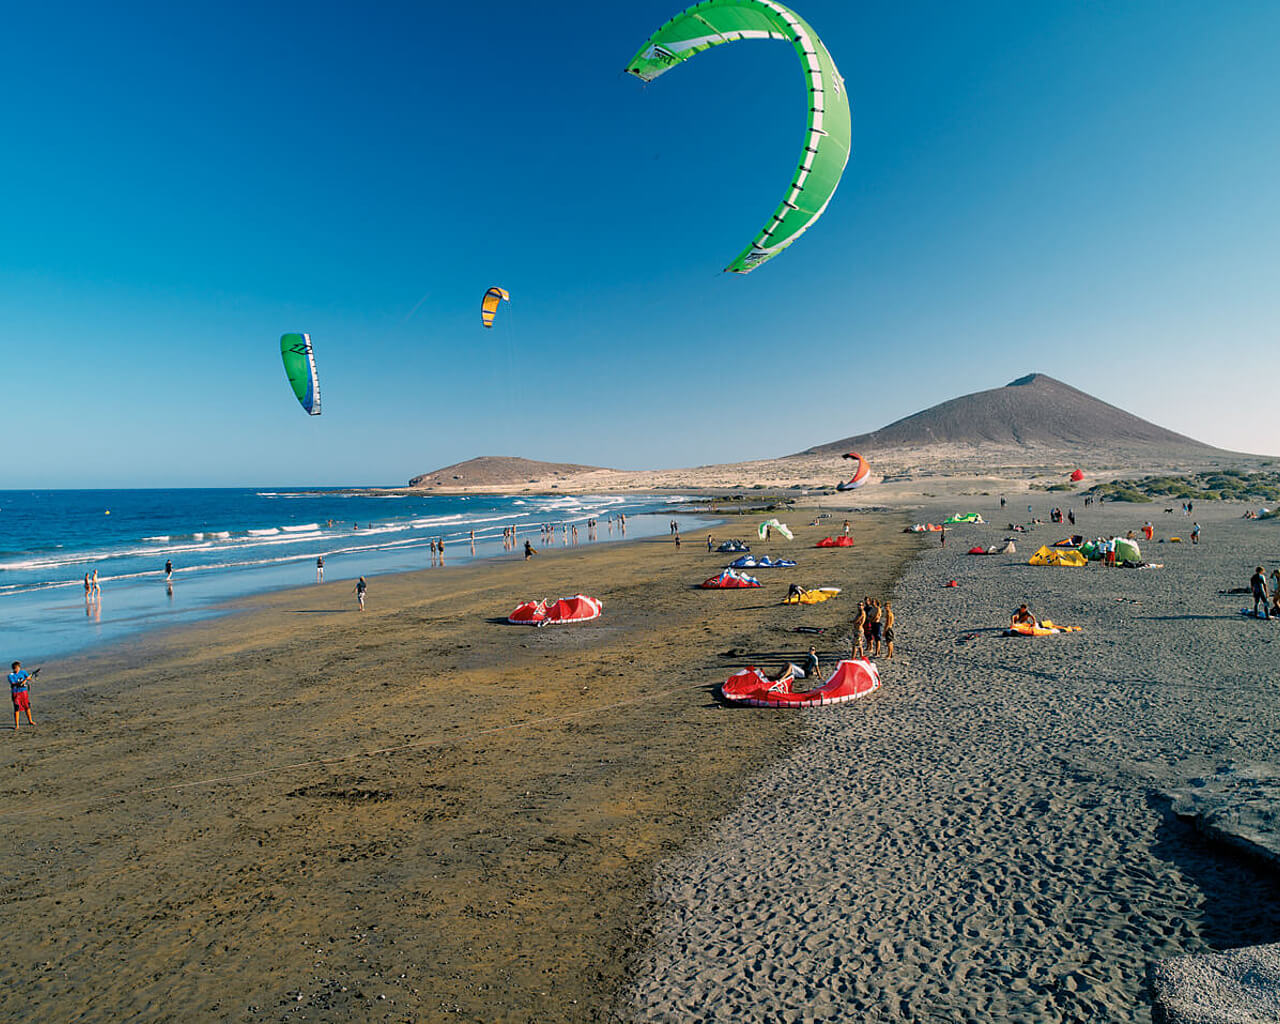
[(228, 543)]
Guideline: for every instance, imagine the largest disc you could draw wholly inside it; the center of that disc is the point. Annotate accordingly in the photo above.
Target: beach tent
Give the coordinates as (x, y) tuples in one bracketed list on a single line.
[(1127, 550), (729, 580), (851, 680), (835, 542), (1051, 556), (782, 528), (967, 517), (531, 613), (579, 608)]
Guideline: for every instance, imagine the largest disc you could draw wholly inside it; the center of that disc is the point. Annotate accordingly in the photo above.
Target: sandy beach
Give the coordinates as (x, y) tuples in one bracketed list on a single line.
[(985, 838), (299, 811)]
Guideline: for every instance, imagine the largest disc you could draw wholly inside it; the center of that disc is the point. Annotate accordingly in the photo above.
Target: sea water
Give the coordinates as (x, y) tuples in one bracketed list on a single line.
[(228, 543)]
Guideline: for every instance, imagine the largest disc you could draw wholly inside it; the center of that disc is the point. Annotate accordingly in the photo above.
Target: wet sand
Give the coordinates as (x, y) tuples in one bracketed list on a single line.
[(418, 812), (984, 839)]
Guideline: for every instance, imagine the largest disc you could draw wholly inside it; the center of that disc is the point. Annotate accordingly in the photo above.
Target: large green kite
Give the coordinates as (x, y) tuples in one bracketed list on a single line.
[(826, 146)]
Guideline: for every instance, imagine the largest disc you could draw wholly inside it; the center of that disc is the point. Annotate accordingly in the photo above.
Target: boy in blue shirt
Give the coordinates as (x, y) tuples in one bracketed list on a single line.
[(19, 690)]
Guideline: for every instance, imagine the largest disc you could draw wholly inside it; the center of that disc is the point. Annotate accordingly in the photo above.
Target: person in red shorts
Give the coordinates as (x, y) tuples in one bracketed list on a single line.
[(19, 690)]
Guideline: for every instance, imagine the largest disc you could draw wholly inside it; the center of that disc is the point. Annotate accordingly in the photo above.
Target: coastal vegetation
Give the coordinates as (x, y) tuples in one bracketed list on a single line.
[(1219, 485)]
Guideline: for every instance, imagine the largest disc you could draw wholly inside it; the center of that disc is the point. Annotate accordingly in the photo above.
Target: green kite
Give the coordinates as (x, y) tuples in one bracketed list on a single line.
[(827, 141)]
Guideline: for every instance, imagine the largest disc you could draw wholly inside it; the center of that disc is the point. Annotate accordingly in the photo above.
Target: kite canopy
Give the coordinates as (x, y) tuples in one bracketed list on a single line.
[(860, 474), (579, 608), (300, 367), (1058, 557), (835, 542), (763, 562), (774, 524), (967, 517), (489, 304), (828, 138), (850, 680), (1077, 476), (730, 580)]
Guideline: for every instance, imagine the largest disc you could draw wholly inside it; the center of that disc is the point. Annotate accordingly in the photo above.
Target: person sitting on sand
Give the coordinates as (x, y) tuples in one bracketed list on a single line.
[(1023, 617), (811, 669)]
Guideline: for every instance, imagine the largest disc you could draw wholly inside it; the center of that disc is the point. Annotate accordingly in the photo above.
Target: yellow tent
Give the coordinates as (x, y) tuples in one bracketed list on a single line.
[(1056, 556)]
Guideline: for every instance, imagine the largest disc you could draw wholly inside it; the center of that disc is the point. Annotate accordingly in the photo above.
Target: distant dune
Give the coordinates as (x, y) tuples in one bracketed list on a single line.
[(1032, 410)]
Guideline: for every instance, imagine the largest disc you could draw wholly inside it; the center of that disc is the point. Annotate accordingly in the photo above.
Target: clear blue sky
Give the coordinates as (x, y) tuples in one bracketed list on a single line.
[(1090, 190)]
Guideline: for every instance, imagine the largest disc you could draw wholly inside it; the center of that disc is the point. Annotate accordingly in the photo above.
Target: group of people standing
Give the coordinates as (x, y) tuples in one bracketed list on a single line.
[(1267, 597), (873, 629)]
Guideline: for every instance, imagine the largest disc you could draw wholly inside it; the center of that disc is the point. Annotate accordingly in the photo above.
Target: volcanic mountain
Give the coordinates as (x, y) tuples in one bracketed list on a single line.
[(1032, 411)]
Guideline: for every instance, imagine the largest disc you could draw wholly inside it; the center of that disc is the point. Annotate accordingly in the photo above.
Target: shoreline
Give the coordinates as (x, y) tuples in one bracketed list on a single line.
[(299, 808)]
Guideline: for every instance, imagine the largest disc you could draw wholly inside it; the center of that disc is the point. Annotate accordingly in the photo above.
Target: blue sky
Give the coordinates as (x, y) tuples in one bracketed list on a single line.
[(1086, 189)]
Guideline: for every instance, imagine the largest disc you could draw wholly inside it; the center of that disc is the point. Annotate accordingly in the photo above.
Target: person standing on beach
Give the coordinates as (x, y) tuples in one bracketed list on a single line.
[(859, 633), (888, 630), (361, 588), (943, 535), (168, 569), (19, 691), (440, 551), (1195, 533), (93, 584), (710, 542), (1258, 584), (876, 627), (319, 568)]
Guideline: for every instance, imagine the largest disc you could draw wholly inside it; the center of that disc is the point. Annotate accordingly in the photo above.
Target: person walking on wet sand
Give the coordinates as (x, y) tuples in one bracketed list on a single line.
[(529, 550), (361, 588), (19, 691), (168, 569), (319, 568), (888, 630), (1258, 584)]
